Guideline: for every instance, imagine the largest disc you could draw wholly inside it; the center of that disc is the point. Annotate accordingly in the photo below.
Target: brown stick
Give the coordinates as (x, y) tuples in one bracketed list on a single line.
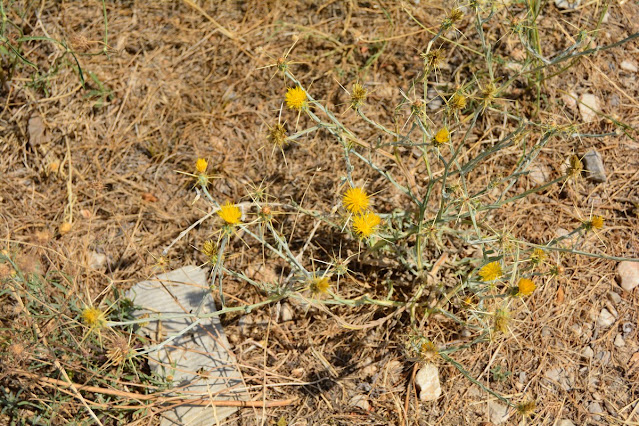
[(47, 381)]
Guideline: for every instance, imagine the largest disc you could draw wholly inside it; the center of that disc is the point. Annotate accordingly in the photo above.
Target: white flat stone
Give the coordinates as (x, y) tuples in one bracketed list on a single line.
[(498, 412), (605, 319), (628, 274), (427, 378), (589, 104), (628, 66), (199, 361)]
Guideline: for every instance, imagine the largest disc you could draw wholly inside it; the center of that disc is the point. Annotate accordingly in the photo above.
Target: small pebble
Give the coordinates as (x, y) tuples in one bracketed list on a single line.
[(523, 377), (498, 412), (587, 352), (619, 342), (595, 409), (589, 104), (97, 261), (360, 401), (594, 166), (614, 297), (606, 319), (627, 328), (553, 374), (628, 273), (577, 330), (428, 381), (539, 174), (615, 100), (567, 5), (593, 381), (286, 313), (628, 66), (570, 100), (603, 357), (436, 101), (565, 422)]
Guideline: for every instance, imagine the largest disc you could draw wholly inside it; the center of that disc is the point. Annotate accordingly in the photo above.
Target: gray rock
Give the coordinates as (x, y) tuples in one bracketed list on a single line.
[(498, 412), (628, 273), (606, 319), (427, 379), (619, 342), (594, 166), (565, 422)]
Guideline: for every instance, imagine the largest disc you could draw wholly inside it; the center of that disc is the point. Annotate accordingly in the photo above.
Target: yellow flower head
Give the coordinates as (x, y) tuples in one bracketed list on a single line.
[(209, 249), (457, 102), (538, 255), (277, 135), (358, 96), (526, 287), (366, 224), (433, 58), (296, 98), (201, 165), (490, 271), (428, 351), (320, 285), (526, 409), (501, 320), (442, 136), (575, 167), (356, 200), (230, 213), (93, 317), (597, 222)]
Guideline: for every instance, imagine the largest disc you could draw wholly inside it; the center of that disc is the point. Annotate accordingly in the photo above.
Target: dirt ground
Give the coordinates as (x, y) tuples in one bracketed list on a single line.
[(178, 81)]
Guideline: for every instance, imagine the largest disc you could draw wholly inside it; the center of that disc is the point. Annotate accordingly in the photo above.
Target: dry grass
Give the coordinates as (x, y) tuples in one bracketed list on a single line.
[(177, 85)]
